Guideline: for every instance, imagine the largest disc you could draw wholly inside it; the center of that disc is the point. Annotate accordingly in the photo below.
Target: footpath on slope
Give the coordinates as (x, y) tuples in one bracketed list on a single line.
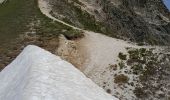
[(94, 47), (46, 9)]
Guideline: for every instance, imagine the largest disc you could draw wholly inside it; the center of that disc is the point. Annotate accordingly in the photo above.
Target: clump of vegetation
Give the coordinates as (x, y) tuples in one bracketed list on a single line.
[(121, 79), (143, 62), (139, 92), (141, 44), (121, 64), (114, 67), (122, 56), (151, 67), (78, 2), (137, 56), (137, 69), (109, 91), (73, 34), (134, 54), (142, 51)]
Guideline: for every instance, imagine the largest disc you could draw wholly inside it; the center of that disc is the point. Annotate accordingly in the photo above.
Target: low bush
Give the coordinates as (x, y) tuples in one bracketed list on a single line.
[(122, 56), (73, 34), (121, 79)]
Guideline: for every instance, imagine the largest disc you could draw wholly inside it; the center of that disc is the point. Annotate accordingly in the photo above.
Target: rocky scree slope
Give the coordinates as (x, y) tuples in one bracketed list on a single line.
[(141, 21)]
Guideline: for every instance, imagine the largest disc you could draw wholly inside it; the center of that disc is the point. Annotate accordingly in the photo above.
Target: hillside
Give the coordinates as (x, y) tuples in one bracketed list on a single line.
[(141, 21), (123, 69), (22, 23), (121, 45)]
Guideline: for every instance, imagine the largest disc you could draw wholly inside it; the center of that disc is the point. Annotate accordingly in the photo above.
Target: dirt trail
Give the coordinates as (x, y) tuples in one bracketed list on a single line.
[(96, 50), (46, 9), (102, 50)]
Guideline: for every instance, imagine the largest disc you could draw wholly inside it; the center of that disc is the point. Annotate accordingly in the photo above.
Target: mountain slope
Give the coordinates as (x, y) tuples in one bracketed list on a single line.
[(124, 70), (141, 21), (37, 74)]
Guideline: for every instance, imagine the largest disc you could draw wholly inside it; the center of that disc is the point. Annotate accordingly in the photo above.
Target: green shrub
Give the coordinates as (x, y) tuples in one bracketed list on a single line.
[(139, 92), (122, 56), (121, 79), (113, 67), (134, 54), (73, 34), (121, 65), (108, 91), (137, 69)]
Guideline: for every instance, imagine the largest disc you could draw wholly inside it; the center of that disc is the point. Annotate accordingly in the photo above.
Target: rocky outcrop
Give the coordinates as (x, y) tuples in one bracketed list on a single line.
[(138, 20)]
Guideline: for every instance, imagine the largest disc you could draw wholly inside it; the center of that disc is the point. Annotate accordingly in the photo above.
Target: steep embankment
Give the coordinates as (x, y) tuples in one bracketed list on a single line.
[(37, 74)]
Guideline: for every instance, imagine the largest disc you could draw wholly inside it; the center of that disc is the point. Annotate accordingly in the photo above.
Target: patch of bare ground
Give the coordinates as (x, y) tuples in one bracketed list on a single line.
[(70, 51)]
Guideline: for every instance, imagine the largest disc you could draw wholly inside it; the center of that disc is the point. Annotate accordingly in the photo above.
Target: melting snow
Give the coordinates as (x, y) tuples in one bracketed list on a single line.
[(37, 74)]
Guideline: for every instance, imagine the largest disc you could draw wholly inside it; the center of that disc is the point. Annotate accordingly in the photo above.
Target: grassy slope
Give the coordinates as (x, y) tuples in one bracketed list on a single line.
[(15, 19), (16, 15), (74, 15)]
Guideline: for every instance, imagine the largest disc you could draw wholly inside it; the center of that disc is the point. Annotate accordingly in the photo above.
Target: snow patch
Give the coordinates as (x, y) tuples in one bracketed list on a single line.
[(37, 74)]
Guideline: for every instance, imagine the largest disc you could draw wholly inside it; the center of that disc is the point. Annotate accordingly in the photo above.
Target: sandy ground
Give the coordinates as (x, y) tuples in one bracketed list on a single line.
[(69, 50), (102, 50)]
